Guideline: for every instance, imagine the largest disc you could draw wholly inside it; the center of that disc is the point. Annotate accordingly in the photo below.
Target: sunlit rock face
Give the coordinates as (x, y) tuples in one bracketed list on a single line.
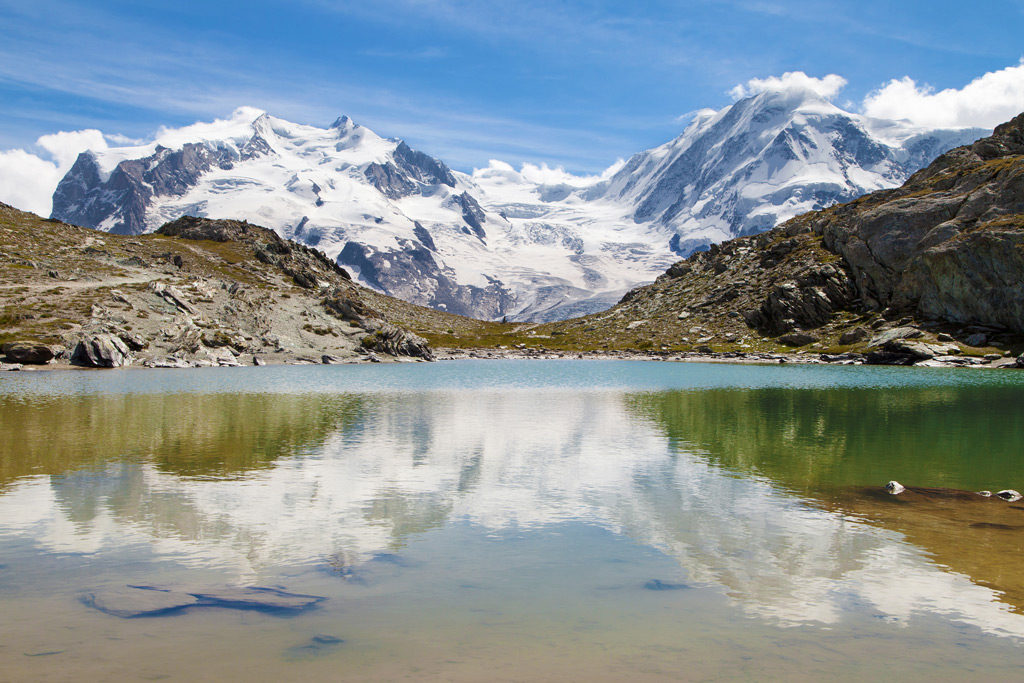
[(343, 479)]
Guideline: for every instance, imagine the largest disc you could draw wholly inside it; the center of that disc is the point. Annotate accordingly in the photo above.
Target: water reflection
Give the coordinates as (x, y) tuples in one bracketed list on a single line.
[(193, 434), (827, 445), (707, 478)]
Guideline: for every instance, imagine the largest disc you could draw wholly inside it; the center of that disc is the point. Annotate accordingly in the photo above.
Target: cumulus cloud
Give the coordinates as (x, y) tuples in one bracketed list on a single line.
[(64, 147), (543, 174), (985, 102), (27, 180), (827, 87), (235, 125)]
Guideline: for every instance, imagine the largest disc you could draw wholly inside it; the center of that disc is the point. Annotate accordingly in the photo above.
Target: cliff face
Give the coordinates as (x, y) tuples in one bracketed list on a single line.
[(947, 245)]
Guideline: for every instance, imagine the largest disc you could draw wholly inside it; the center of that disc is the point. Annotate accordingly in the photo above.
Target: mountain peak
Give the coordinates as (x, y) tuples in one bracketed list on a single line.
[(343, 123)]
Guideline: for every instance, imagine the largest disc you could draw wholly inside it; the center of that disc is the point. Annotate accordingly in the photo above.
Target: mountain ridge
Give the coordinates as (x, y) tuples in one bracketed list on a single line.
[(495, 243)]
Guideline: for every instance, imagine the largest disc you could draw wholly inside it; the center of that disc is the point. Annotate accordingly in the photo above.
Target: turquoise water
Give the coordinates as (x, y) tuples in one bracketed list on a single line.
[(519, 520)]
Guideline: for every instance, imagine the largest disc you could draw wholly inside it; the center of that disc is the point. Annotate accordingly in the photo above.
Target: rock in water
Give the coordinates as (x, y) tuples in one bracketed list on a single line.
[(255, 598), (317, 646), (139, 601), (895, 488), (659, 585), (149, 601), (1009, 495)]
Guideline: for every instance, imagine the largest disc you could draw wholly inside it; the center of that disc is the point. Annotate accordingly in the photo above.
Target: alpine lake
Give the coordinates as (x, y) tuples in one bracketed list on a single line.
[(511, 521)]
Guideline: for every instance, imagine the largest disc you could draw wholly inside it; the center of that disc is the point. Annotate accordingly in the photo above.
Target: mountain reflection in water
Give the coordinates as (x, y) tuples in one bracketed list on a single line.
[(748, 490)]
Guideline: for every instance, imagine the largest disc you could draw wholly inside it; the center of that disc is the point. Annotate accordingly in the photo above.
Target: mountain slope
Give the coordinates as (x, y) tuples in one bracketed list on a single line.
[(196, 292), (401, 221), (500, 242), (935, 267), (763, 160)]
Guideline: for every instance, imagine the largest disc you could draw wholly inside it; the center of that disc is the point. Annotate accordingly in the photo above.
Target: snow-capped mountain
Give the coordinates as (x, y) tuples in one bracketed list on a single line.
[(750, 166), (501, 242)]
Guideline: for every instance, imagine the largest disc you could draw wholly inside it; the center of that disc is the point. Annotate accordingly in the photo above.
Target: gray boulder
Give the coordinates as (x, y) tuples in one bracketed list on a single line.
[(797, 339), (853, 336), (101, 351), (28, 353), (886, 336)]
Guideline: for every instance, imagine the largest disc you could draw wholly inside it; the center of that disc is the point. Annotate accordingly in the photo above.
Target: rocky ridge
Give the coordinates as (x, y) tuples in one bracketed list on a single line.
[(197, 292)]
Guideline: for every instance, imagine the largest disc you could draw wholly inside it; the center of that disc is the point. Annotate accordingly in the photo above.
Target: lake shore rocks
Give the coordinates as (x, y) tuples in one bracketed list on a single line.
[(101, 351), (29, 353)]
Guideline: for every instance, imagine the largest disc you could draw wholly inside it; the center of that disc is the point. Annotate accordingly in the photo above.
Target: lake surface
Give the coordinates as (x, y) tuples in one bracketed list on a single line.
[(514, 521)]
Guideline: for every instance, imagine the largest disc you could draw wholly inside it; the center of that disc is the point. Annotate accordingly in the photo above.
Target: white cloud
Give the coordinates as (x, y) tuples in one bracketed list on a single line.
[(65, 147), (27, 180), (237, 125), (123, 140), (545, 175), (827, 87), (985, 102)]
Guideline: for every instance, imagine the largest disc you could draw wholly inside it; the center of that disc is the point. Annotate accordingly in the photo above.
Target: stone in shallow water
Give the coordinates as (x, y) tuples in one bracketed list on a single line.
[(317, 646), (256, 598), (149, 601), (659, 585), (139, 601)]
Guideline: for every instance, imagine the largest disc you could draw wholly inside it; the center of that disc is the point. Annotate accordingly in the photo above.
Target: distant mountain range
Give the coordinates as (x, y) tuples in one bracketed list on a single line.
[(497, 243)]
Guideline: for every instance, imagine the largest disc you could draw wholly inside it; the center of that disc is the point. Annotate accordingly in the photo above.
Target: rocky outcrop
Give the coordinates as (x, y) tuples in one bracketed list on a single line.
[(395, 341), (119, 202), (413, 274), (101, 351), (28, 353), (305, 265), (947, 245), (382, 336), (422, 167), (807, 301), (472, 214)]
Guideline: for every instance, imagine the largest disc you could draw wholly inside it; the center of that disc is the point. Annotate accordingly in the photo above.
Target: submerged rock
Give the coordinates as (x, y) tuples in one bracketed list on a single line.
[(659, 585), (139, 601), (1009, 495), (255, 597), (317, 646), (150, 601)]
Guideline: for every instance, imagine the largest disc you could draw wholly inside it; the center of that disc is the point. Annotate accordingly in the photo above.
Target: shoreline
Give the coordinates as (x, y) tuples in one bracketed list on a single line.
[(451, 354)]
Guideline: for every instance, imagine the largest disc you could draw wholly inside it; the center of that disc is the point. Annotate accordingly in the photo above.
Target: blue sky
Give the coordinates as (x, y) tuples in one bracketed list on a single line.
[(565, 82)]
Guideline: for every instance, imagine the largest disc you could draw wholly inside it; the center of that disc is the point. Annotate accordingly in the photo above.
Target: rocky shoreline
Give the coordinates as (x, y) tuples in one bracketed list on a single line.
[(739, 357), (13, 362)]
